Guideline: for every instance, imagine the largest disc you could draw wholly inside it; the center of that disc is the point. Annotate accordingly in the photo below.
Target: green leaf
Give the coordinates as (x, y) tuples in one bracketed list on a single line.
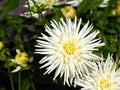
[(88, 5), (56, 14), (14, 19), (5, 53), (111, 31), (25, 85), (3, 88), (3, 35), (8, 6)]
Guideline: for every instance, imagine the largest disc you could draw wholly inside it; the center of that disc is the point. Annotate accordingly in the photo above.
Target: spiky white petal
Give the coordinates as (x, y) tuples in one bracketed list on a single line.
[(16, 69), (68, 49), (104, 77), (28, 15)]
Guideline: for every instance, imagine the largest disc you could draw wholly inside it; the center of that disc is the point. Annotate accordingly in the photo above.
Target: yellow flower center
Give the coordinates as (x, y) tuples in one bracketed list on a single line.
[(69, 47), (68, 12), (49, 2), (104, 84), (22, 58)]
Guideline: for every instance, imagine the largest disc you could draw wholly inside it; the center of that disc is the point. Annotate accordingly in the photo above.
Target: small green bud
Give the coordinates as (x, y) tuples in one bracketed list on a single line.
[(35, 9)]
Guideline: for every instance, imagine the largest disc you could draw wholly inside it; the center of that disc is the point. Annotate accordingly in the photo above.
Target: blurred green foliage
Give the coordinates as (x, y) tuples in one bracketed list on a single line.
[(8, 6)]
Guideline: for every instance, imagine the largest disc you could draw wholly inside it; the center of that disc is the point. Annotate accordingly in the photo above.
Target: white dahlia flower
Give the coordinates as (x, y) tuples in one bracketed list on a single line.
[(68, 49), (104, 77)]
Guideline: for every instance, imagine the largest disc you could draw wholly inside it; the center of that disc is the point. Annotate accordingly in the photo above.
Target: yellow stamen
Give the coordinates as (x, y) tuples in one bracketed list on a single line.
[(49, 2), (69, 47), (104, 84)]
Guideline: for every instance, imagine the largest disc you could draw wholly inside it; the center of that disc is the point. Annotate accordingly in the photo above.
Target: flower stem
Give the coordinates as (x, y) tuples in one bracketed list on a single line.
[(29, 7), (19, 80), (33, 86), (11, 80), (20, 39), (118, 54)]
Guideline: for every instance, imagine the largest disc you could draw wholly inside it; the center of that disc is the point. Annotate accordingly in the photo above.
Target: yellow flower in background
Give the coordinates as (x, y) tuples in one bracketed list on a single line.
[(103, 77), (68, 12), (21, 59), (68, 49), (1, 45), (118, 9)]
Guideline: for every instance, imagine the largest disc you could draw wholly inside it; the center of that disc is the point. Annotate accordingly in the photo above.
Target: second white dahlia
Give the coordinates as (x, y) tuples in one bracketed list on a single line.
[(105, 77), (68, 49)]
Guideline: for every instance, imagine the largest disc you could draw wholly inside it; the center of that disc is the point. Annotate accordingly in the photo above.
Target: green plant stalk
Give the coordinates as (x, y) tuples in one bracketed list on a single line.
[(19, 39), (10, 77), (118, 53), (118, 48), (29, 7), (39, 11), (40, 14), (33, 86), (19, 80)]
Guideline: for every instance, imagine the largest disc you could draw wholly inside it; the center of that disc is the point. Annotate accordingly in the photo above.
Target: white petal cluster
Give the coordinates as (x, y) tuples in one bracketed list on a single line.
[(28, 14), (48, 4), (103, 77), (68, 49)]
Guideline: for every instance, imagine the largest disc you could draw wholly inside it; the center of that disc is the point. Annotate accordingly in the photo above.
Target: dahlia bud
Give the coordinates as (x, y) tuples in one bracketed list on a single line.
[(68, 12)]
